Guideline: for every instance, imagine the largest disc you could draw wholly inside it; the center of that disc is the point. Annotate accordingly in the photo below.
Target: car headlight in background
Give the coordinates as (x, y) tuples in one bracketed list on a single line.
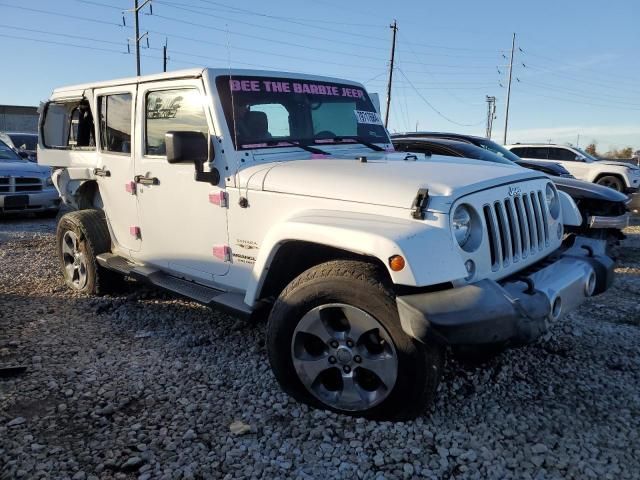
[(49, 182), (553, 201), (461, 225)]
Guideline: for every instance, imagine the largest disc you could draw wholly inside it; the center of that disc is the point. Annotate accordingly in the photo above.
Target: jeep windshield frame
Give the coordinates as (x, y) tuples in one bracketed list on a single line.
[(270, 112)]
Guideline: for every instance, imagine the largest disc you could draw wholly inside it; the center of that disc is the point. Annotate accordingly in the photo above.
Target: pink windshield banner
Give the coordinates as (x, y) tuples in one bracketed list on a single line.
[(286, 86)]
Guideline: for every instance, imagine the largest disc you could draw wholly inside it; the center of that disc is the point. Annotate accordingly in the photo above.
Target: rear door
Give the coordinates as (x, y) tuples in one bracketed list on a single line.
[(114, 109)]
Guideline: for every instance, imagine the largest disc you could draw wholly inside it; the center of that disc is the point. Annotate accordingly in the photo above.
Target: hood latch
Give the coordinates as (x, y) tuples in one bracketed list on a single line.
[(420, 204)]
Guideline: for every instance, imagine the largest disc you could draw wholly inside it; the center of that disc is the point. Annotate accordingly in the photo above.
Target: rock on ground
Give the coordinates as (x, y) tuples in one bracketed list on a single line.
[(100, 399)]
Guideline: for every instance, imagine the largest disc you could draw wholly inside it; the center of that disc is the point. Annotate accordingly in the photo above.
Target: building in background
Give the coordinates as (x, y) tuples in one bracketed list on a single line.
[(16, 118)]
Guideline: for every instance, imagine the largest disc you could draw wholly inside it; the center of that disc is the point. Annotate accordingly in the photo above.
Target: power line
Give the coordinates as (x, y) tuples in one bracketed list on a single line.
[(265, 27), (66, 35), (66, 44), (48, 12), (576, 78), (265, 39), (592, 71), (580, 93), (434, 108), (580, 102), (306, 24)]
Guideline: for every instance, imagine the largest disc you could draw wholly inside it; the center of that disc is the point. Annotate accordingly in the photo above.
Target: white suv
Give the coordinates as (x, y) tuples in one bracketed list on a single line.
[(279, 193), (623, 177)]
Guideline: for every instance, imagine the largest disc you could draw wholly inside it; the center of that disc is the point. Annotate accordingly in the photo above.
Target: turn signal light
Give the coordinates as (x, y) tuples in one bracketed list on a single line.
[(396, 263)]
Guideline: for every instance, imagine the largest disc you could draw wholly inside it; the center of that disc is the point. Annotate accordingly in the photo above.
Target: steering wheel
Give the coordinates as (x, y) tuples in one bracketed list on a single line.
[(325, 134)]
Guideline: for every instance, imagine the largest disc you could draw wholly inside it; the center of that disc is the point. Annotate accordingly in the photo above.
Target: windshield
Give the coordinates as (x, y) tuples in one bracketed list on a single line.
[(7, 153), (586, 155), (498, 149), (264, 112), (482, 153), (24, 141)]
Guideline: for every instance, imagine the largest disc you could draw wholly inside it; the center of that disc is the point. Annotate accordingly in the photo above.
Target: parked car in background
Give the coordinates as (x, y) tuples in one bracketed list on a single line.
[(25, 186), (550, 168), (604, 211), (620, 176), (26, 144)]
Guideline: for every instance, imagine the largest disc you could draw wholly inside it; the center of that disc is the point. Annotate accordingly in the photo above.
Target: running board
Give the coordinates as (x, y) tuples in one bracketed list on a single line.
[(212, 297)]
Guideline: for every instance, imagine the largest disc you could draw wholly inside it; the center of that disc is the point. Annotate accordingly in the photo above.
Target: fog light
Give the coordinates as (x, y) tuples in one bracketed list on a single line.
[(396, 263), (559, 230), (471, 269)]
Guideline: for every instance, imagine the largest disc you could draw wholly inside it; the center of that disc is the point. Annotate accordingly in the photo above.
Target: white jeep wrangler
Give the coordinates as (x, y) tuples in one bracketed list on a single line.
[(248, 189)]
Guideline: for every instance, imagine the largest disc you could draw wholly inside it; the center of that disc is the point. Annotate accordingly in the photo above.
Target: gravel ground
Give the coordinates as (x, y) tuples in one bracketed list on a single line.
[(144, 385)]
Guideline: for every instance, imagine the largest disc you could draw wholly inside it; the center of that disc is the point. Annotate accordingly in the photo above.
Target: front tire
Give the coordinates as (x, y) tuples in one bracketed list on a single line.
[(80, 237), (335, 342), (612, 182)]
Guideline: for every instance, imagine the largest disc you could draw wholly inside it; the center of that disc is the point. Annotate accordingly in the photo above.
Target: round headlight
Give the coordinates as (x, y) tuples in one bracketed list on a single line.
[(49, 182), (553, 200), (461, 224)]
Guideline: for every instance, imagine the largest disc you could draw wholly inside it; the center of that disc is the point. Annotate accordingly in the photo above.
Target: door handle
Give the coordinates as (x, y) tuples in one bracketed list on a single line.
[(101, 172), (143, 180)]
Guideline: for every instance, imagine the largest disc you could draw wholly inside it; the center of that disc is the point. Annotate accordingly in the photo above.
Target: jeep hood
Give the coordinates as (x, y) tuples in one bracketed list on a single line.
[(388, 181), (619, 164)]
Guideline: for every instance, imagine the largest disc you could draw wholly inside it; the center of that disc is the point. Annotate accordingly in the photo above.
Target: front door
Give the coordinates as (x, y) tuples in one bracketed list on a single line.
[(114, 117), (183, 229), (571, 161)]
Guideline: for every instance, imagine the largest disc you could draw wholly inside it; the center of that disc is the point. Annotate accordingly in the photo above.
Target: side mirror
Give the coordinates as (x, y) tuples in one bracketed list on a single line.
[(186, 147), (579, 158), (23, 154), (191, 147)]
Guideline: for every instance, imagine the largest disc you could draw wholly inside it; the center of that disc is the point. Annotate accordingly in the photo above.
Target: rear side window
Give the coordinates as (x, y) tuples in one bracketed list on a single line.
[(68, 126), (115, 122), (561, 154), (172, 110), (541, 153)]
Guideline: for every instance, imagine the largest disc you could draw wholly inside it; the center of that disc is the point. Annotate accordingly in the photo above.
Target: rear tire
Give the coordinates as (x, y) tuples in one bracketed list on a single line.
[(612, 182), (335, 342), (81, 236)]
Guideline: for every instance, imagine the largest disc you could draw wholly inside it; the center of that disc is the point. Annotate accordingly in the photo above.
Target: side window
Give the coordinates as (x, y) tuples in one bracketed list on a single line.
[(277, 118), (561, 154), (68, 125), (541, 153), (522, 152), (115, 122), (172, 110)]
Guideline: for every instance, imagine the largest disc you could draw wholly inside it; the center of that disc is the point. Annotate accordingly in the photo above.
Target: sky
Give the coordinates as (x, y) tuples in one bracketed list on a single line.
[(576, 74)]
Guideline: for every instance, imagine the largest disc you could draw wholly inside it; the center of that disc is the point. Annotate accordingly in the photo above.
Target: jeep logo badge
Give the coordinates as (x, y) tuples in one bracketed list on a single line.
[(515, 191)]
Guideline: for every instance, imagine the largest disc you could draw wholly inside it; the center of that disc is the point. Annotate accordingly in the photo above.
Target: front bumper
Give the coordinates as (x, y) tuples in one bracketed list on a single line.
[(515, 310), (47, 199), (598, 221)]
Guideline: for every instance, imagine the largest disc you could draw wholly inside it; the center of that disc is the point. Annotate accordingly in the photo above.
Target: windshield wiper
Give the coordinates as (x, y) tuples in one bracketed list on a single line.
[(370, 145), (299, 145)]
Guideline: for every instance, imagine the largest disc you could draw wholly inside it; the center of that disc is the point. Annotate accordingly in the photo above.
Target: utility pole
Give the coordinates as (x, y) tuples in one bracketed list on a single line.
[(506, 114), (136, 10), (394, 27), (164, 56), (491, 114)]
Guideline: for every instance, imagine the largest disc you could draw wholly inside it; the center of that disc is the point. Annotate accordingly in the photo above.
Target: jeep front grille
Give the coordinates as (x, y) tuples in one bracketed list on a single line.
[(517, 227), (20, 184)]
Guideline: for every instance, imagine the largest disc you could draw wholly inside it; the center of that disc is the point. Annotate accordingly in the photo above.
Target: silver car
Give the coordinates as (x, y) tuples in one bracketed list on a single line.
[(25, 186)]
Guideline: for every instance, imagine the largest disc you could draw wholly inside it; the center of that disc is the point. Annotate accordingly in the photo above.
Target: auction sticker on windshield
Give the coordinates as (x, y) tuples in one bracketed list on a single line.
[(369, 118)]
